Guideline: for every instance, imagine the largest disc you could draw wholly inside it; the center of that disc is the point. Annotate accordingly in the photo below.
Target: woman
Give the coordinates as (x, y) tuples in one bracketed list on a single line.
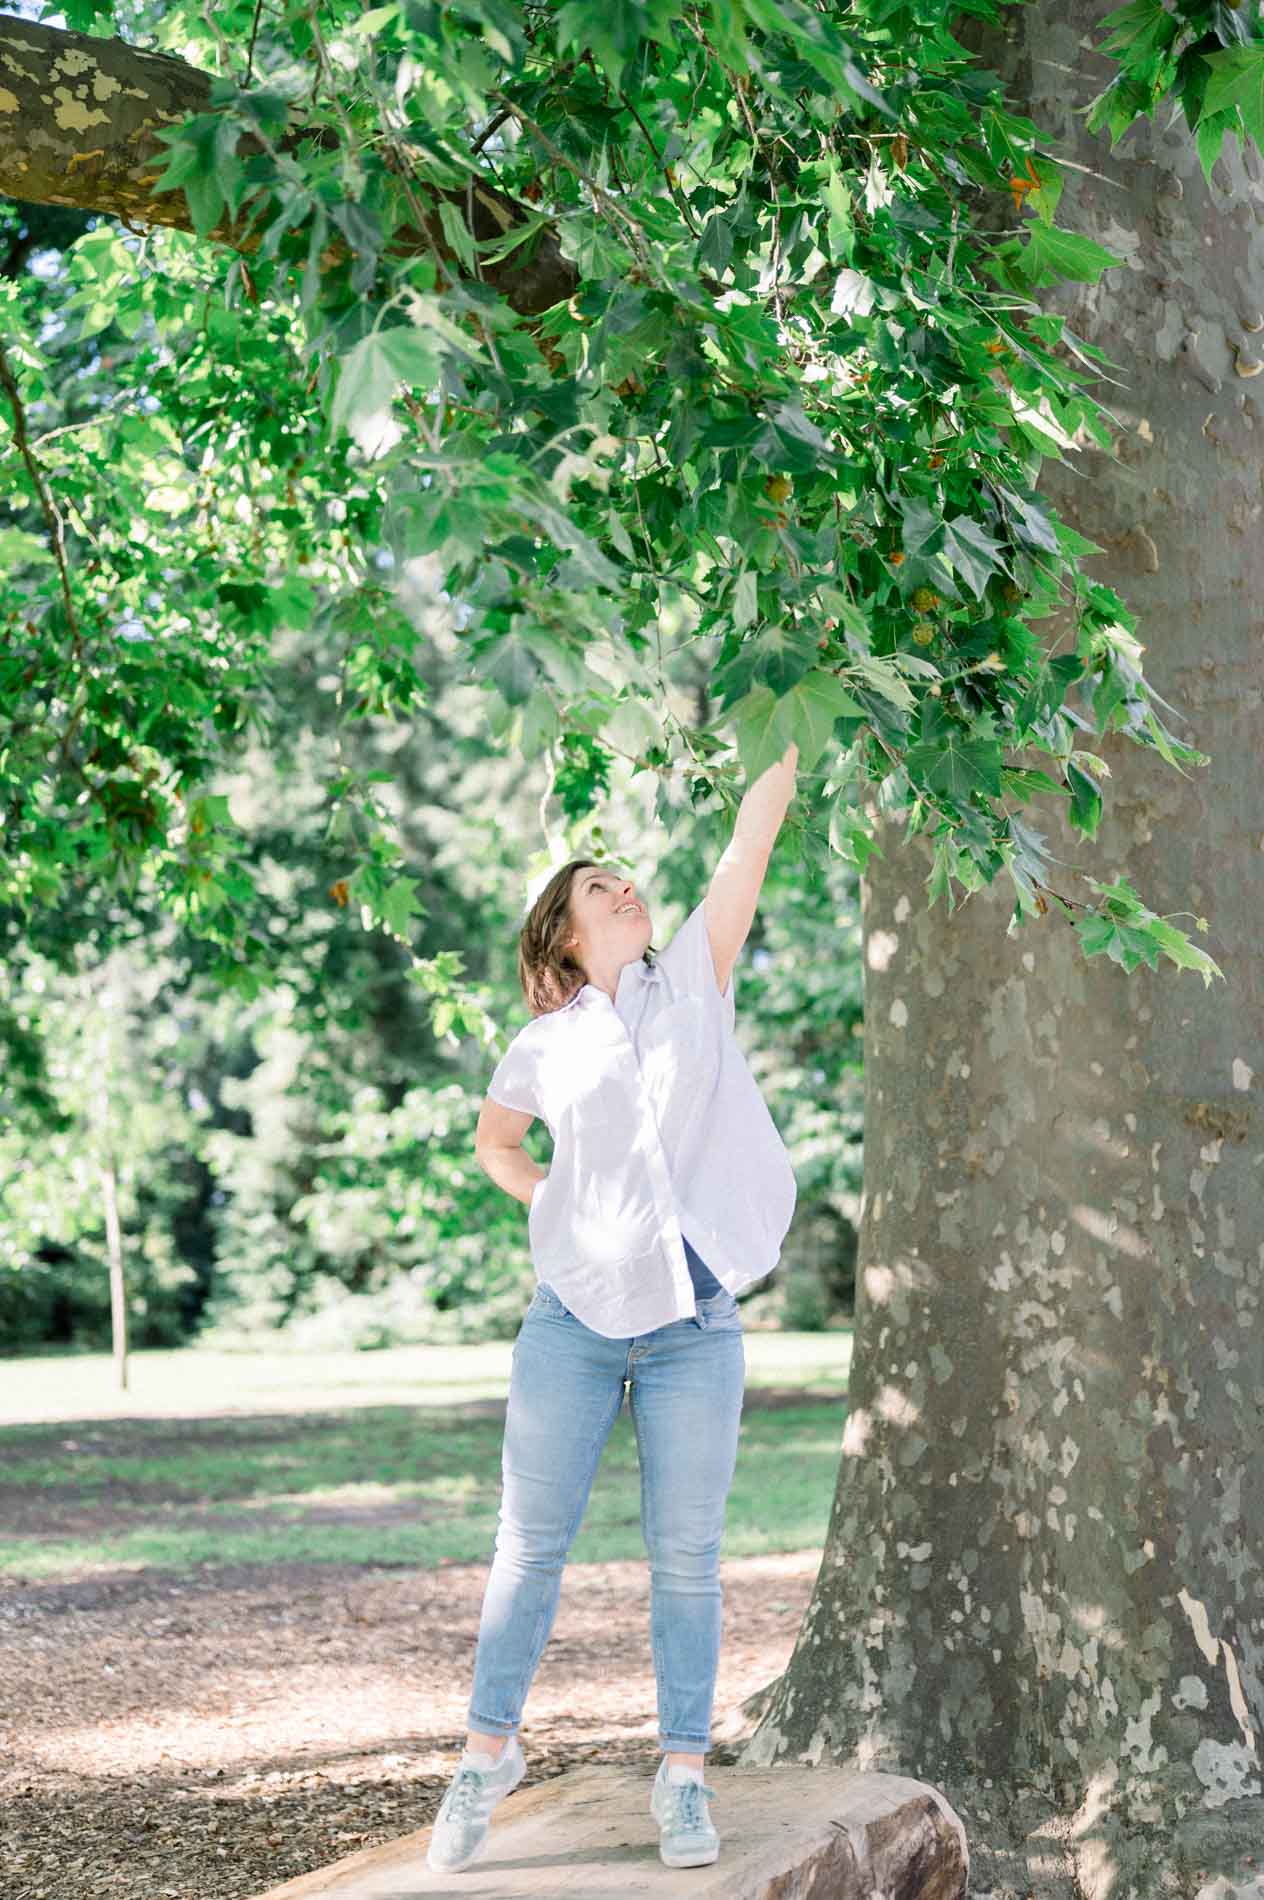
[(665, 1158)]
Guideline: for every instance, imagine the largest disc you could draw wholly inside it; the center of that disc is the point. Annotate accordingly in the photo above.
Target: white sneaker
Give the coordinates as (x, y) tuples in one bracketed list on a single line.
[(687, 1836), (459, 1835)]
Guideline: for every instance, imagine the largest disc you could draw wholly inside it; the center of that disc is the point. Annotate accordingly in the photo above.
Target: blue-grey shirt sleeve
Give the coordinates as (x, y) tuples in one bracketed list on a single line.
[(690, 967)]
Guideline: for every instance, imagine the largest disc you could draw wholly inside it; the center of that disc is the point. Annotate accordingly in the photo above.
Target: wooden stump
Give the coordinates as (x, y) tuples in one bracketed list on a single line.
[(785, 1834)]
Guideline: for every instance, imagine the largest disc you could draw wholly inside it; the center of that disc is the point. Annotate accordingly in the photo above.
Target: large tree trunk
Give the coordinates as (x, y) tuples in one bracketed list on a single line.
[(1043, 1568), (79, 124)]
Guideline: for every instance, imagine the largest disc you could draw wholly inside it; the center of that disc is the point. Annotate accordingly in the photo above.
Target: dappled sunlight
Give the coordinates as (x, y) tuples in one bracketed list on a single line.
[(1091, 1618), (353, 1498), (1105, 1225), (248, 1714), (881, 948), (417, 1486), (896, 1407), (1095, 1858), (883, 1283), (329, 1678)]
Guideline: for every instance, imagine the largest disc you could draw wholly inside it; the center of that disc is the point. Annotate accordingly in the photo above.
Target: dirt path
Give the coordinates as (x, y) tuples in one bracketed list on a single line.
[(204, 1736)]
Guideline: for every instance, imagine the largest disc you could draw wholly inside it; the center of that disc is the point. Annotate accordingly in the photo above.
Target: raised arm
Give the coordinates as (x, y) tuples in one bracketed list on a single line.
[(738, 878)]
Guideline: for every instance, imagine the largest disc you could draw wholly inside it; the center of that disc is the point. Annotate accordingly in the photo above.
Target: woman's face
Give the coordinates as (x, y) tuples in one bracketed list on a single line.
[(611, 920)]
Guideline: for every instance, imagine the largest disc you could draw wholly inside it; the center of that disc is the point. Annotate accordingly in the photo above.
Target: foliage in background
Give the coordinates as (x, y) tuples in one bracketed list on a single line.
[(314, 1170), (121, 1061), (341, 571), (753, 364)]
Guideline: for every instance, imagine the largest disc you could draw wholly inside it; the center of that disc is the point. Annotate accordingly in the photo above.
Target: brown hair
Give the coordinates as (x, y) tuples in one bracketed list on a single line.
[(548, 970)]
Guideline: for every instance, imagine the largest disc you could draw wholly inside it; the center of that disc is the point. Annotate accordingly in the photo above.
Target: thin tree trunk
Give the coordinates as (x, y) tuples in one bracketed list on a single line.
[(118, 1291), (1043, 1581)]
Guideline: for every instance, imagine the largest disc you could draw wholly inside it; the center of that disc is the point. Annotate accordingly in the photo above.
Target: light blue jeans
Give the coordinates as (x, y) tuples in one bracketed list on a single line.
[(685, 1383)]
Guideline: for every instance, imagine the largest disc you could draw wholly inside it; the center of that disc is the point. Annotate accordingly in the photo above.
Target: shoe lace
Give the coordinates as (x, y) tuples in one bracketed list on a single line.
[(467, 1790), (689, 1804)]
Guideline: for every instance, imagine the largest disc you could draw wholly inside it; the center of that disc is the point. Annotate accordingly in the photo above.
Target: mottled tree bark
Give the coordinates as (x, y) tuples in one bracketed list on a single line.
[(1044, 1564), (79, 119)]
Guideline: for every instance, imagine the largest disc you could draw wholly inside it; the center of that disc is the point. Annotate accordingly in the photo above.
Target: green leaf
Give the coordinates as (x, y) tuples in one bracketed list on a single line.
[(1122, 943), (841, 224), (849, 837), (1237, 79), (776, 657), (562, 659), (1172, 749), (1051, 255), (374, 20), (766, 724), (812, 707), (973, 553), (590, 565), (1209, 135), (1129, 933), (791, 443), (939, 881), (854, 294), (540, 724), (745, 601), (882, 674), (1184, 953), (398, 905), (1044, 200), (370, 374), (632, 726), (457, 232), (412, 355), (507, 662), (923, 532), (1086, 801), (206, 202), (762, 736), (1027, 783), (1027, 520), (818, 44), (367, 380), (716, 244), (1026, 860), (957, 767), (614, 29)]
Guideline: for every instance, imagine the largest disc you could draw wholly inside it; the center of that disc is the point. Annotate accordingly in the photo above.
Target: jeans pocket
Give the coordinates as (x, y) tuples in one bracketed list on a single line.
[(719, 1310), (545, 1300)]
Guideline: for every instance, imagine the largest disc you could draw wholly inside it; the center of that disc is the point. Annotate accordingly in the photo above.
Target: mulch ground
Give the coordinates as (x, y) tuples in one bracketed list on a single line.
[(207, 1735)]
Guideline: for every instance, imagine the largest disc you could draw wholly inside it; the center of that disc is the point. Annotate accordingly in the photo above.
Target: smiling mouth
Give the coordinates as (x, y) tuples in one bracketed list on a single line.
[(630, 910)]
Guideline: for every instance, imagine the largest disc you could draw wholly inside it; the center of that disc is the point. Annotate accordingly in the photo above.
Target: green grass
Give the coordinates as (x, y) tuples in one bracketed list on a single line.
[(192, 1383), (320, 1470)]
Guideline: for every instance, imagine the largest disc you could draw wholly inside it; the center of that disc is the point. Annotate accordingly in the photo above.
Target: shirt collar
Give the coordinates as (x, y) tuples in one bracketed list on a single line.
[(589, 996)]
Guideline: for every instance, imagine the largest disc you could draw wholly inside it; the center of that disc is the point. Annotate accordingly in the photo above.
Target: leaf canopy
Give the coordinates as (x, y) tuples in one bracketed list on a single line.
[(782, 434)]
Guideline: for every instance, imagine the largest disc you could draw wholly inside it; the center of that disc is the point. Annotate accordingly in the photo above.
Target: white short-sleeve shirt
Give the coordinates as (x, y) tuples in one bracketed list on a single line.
[(658, 1129)]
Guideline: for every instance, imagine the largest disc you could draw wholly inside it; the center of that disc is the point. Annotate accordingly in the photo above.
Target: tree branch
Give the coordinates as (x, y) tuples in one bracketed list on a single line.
[(83, 132), (52, 520)]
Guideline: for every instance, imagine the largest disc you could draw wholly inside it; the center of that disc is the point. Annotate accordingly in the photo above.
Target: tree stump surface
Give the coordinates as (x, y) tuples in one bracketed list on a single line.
[(790, 1833)]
